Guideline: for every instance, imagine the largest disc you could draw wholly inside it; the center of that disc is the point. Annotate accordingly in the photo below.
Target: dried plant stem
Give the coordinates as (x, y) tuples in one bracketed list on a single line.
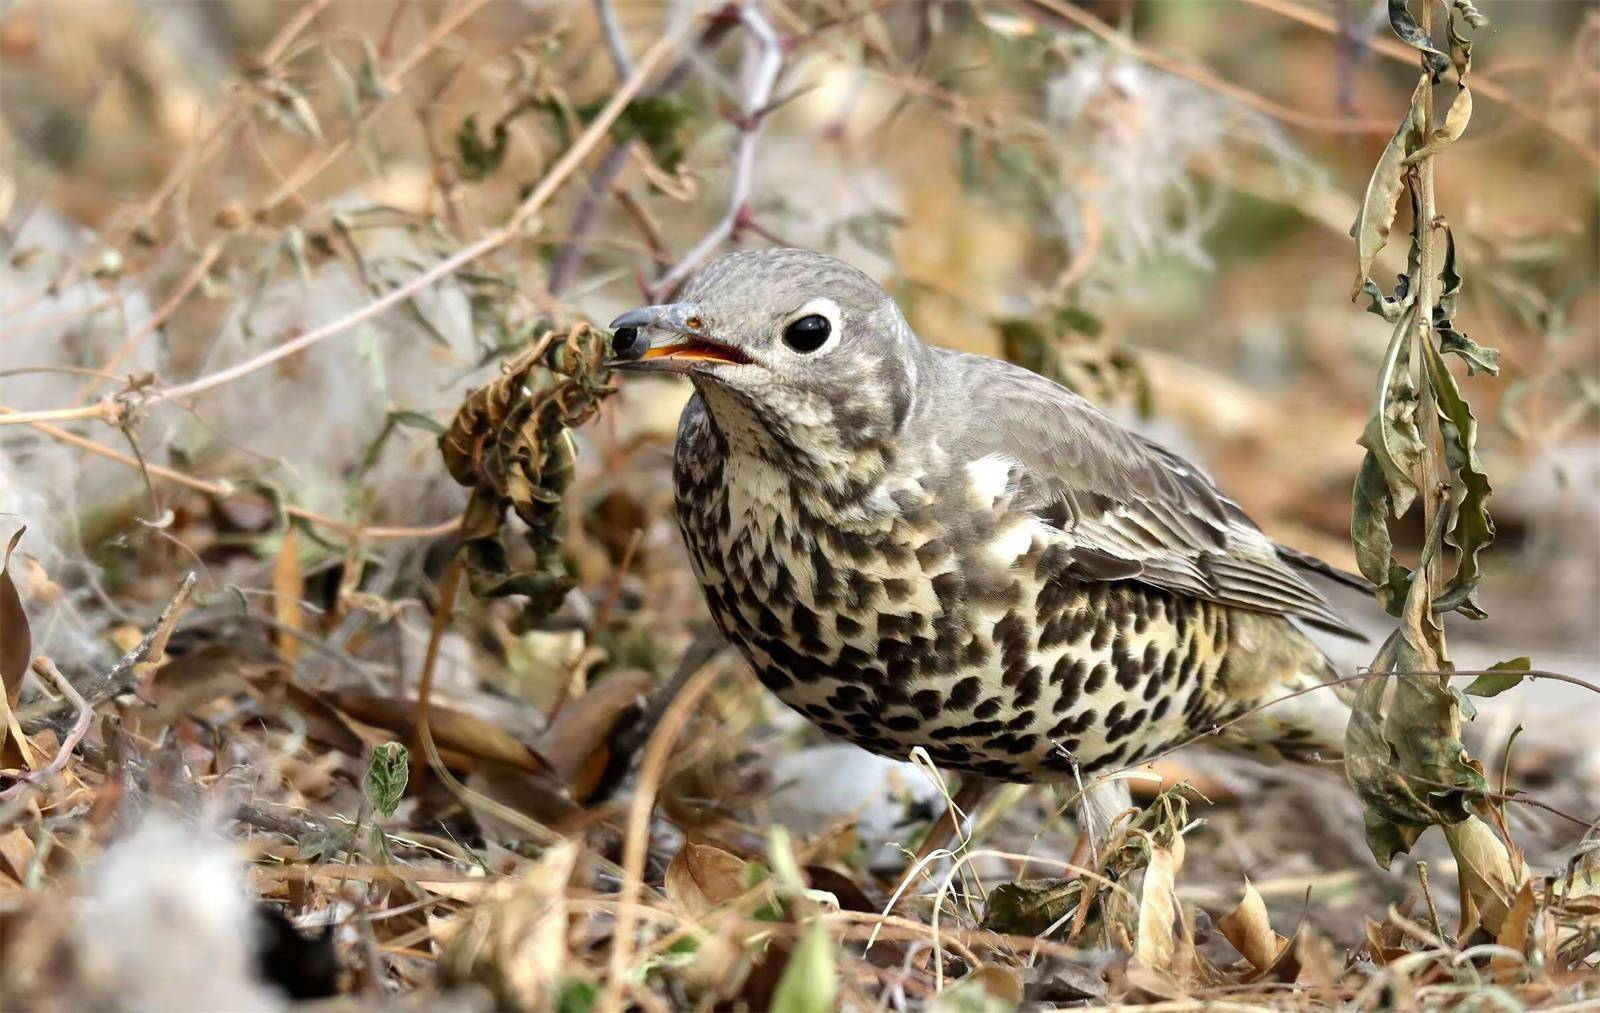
[(190, 282), (44, 666), (1434, 476), (651, 769), (1427, 894), (319, 162)]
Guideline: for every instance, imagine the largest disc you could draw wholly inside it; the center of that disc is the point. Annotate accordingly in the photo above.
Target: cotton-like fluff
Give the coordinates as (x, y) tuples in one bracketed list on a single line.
[(1136, 147), (166, 924), (46, 484)]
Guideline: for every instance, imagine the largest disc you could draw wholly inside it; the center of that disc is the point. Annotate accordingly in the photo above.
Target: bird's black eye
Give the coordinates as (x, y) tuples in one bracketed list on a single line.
[(808, 334)]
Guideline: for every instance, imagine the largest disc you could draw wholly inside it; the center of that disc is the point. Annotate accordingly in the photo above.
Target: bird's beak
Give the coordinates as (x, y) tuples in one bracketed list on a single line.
[(670, 339)]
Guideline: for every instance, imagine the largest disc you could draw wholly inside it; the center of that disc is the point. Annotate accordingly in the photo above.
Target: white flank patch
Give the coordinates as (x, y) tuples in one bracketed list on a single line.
[(989, 477), (1012, 541)]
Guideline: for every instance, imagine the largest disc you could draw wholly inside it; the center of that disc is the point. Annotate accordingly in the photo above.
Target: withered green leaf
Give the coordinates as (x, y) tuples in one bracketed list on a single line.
[(479, 157), (1382, 199), (1471, 528), (1369, 533), (1455, 123), (1411, 33), (1031, 906)]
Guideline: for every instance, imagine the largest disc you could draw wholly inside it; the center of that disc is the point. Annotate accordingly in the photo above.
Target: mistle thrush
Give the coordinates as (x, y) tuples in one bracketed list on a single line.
[(920, 547)]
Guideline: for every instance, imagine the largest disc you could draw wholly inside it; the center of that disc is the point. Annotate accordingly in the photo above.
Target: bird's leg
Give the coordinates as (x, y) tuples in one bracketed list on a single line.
[(967, 797)]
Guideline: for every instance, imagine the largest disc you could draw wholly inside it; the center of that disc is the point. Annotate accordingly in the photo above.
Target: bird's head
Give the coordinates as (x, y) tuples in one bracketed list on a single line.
[(798, 350)]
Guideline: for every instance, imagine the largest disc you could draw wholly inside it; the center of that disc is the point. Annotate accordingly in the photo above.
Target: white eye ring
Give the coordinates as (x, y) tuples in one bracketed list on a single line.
[(829, 311)]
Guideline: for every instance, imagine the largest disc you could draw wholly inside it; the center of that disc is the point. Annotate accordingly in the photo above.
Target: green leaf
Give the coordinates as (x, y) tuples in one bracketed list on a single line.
[(577, 997), (1508, 676), (1382, 199), (386, 777), (810, 981), (663, 123)]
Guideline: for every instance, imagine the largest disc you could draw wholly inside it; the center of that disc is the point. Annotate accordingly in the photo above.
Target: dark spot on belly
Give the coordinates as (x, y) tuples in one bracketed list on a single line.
[(1128, 671), (988, 709), (1028, 688), (903, 723), (1102, 636), (930, 552), (1012, 743), (1097, 677), (1021, 721), (965, 693), (977, 652), (927, 702)]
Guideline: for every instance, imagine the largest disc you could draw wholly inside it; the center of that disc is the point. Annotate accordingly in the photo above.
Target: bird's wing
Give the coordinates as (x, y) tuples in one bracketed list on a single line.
[(1129, 508)]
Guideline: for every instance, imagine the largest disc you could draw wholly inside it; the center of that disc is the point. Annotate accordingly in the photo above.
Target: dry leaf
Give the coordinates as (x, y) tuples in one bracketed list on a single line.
[(16, 652), (1154, 944), (701, 877), (452, 729), (576, 745), (288, 585), (517, 946), (1486, 869), (1248, 928), (1513, 935)]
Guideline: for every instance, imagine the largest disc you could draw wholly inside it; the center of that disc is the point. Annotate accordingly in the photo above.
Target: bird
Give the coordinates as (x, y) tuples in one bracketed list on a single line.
[(921, 548)]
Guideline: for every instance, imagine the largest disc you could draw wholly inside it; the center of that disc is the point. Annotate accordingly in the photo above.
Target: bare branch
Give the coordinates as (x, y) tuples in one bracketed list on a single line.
[(763, 61), (615, 43)]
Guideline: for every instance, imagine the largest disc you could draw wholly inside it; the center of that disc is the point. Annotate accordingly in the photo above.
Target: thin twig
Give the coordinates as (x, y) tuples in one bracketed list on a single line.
[(1427, 894), (46, 667), (119, 678), (1227, 89), (1396, 50), (224, 490), (616, 45), (763, 62), (493, 240), (651, 770), (566, 260)]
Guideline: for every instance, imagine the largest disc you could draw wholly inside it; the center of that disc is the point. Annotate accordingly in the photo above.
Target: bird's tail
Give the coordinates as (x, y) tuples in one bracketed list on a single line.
[(1299, 717)]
